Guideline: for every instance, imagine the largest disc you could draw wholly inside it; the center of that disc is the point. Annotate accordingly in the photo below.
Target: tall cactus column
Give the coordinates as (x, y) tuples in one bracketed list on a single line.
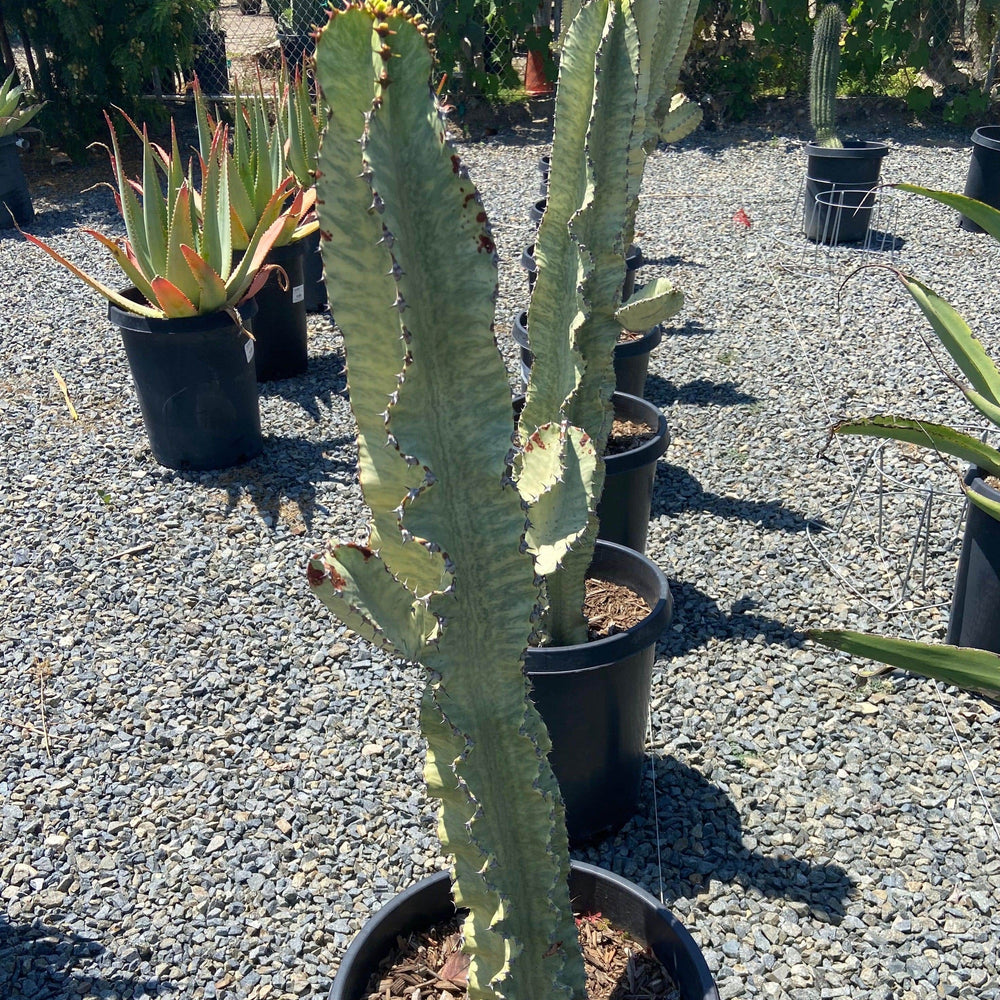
[(824, 68), (447, 576)]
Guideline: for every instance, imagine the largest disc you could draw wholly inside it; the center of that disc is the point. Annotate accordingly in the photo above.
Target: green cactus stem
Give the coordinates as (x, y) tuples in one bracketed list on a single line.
[(447, 576), (614, 101), (823, 72)]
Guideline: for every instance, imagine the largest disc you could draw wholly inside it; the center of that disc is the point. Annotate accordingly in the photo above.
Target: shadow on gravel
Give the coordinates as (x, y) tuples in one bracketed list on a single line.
[(698, 618), (692, 328), (671, 261), (676, 491), (698, 392), (45, 963), (281, 482), (314, 391), (702, 839)]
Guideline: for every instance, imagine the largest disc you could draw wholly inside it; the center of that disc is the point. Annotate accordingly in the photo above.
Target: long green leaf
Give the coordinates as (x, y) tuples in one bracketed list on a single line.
[(985, 216), (957, 339), (975, 669), (926, 435)]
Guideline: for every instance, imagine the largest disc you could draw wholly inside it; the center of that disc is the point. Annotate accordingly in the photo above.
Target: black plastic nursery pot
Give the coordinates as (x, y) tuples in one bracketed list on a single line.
[(624, 508), (281, 346), (633, 261), (840, 190), (196, 385), (544, 165), (314, 286), (594, 698), (296, 46), (983, 179), (15, 200), (592, 890), (975, 607)]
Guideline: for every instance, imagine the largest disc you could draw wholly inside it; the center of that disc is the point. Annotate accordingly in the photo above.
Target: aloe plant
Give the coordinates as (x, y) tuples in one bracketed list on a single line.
[(972, 668), (14, 115), (614, 101), (300, 122), (256, 166), (178, 249), (824, 68), (448, 575)]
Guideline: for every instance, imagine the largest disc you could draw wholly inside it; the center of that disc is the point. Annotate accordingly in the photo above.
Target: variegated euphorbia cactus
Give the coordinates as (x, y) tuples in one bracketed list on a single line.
[(448, 574), (614, 101)]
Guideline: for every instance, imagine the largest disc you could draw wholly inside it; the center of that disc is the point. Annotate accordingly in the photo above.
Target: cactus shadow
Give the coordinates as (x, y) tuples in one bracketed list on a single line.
[(676, 491), (697, 832), (671, 260), (691, 328), (698, 392), (315, 391), (40, 961), (281, 483)]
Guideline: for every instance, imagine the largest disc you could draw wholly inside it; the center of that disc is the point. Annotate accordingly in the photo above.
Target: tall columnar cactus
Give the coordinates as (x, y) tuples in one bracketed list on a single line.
[(823, 72), (448, 574), (614, 101)]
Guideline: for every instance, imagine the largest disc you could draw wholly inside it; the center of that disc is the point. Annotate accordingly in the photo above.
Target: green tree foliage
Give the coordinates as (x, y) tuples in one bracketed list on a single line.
[(85, 55)]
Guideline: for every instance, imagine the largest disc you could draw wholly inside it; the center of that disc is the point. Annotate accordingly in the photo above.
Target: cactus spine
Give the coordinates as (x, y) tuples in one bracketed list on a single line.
[(447, 576), (617, 76), (823, 72)]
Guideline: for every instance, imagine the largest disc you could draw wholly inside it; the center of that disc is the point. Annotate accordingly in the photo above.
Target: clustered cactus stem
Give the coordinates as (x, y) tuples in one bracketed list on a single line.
[(448, 576), (614, 101), (823, 72)]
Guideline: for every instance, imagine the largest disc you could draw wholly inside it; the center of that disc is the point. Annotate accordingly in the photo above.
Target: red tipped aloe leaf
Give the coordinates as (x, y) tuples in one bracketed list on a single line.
[(125, 258), (174, 303), (212, 289)]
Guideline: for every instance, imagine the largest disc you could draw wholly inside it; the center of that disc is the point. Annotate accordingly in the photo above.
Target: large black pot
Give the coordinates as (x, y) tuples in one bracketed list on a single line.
[(312, 274), (279, 328), (196, 385), (633, 261), (594, 698), (983, 179), (631, 357), (211, 64), (592, 890), (15, 201), (840, 190), (975, 608)]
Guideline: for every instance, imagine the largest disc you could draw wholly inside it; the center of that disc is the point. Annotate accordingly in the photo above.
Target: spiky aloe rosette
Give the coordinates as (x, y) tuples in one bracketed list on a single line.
[(447, 576), (614, 101), (178, 250)]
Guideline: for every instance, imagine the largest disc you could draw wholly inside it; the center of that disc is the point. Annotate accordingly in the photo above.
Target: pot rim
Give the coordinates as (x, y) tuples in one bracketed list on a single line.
[(626, 349), (613, 648), (853, 149), (975, 479), (987, 136), (205, 323)]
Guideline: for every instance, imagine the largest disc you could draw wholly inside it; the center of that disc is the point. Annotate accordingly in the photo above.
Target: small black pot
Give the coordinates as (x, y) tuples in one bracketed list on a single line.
[(592, 890), (279, 328), (544, 165), (633, 261), (312, 274), (196, 385), (594, 698), (840, 190), (210, 62), (628, 477), (975, 608), (15, 200), (983, 179)]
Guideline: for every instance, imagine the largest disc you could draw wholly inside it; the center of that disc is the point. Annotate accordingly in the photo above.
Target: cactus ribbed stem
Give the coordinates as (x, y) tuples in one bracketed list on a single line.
[(823, 72)]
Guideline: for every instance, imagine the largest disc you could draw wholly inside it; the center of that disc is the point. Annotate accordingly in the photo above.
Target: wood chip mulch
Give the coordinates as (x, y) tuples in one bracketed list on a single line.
[(626, 435), (611, 608), (430, 966)]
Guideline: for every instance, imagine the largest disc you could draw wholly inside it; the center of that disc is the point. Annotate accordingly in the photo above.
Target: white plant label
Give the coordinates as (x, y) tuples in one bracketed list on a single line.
[(298, 293), (248, 350)]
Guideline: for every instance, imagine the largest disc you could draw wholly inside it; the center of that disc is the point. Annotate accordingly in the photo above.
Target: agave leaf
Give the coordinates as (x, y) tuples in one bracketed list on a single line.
[(217, 233), (154, 209), (957, 339), (129, 205), (260, 246), (975, 669), (985, 216), (174, 303), (987, 408), (927, 435), (109, 293), (181, 234)]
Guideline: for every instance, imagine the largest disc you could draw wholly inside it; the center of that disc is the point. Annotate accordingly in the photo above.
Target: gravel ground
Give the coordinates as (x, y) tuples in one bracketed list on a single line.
[(207, 786)]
